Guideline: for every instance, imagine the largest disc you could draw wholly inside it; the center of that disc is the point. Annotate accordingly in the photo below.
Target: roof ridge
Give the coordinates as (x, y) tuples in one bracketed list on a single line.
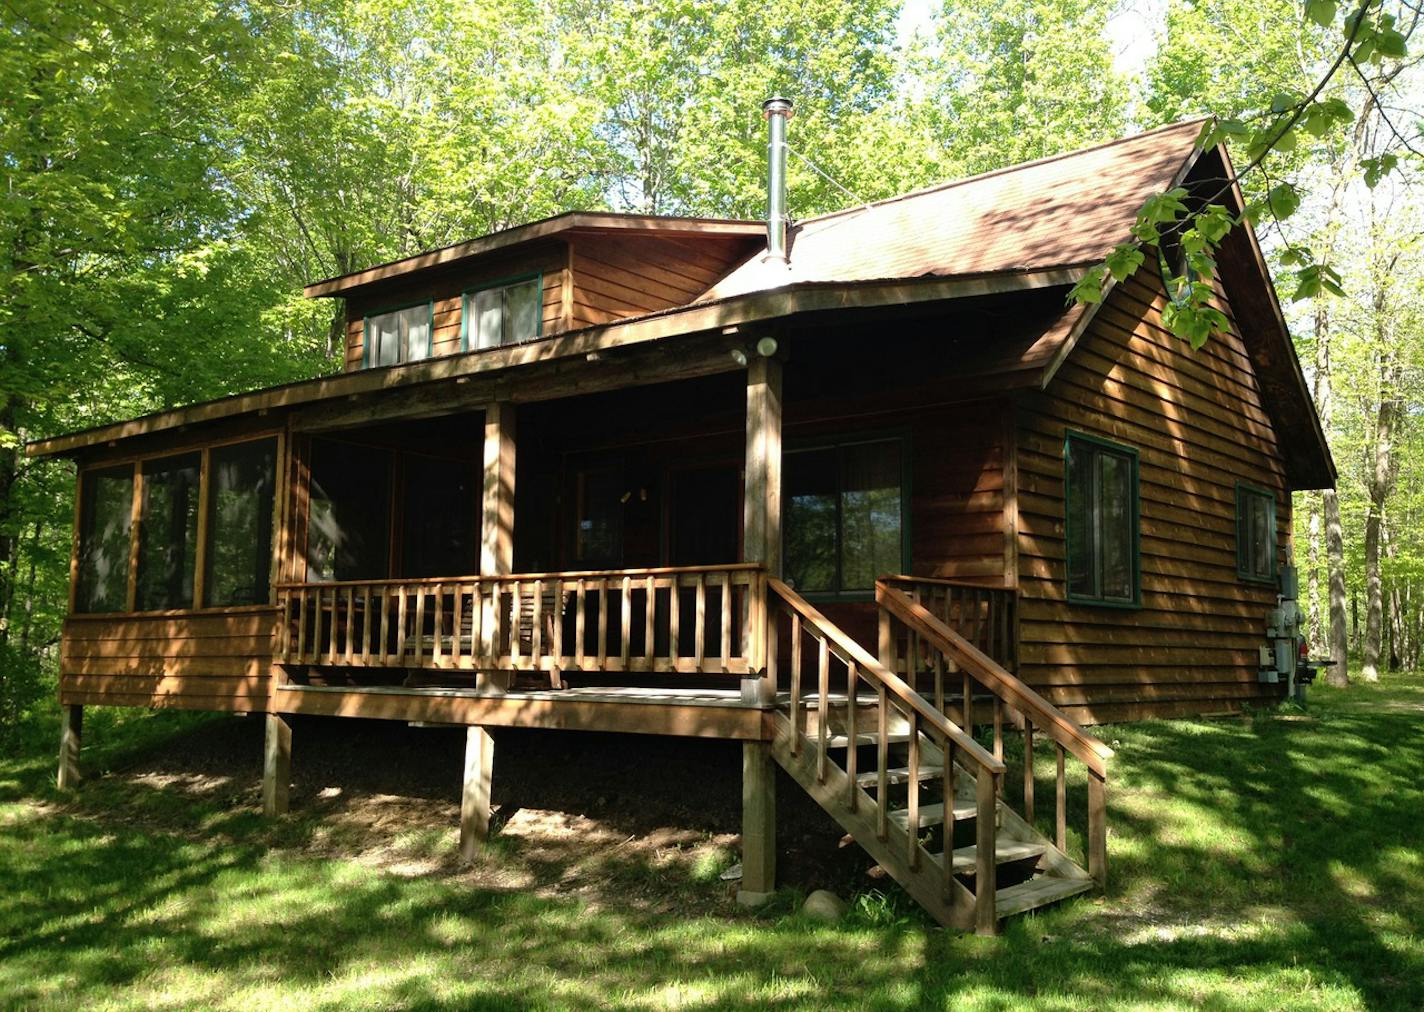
[(1002, 170)]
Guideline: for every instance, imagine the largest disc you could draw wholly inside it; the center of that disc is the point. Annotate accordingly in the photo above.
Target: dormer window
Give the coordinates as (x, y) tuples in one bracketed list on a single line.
[(399, 335), (505, 312)]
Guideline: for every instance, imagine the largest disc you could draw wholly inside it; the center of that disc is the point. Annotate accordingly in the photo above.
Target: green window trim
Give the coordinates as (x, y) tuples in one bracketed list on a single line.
[(429, 305), (1244, 569), (837, 442), (467, 296), (1128, 453)]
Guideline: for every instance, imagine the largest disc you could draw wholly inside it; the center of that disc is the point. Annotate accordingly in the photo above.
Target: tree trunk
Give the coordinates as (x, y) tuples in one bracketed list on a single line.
[(1336, 641), (1381, 478)]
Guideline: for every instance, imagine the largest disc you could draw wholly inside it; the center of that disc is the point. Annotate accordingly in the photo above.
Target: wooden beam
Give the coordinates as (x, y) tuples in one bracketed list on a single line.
[(277, 766), (496, 526), (71, 725), (1098, 829), (475, 793), (758, 824), (761, 506)]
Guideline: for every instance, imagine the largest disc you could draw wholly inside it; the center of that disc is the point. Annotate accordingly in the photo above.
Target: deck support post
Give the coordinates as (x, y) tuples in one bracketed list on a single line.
[(758, 824), (71, 725), (1098, 829), (475, 794), (761, 506), (496, 532), (277, 766)]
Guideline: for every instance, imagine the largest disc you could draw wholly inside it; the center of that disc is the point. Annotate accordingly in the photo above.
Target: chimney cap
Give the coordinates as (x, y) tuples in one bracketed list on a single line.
[(778, 105)]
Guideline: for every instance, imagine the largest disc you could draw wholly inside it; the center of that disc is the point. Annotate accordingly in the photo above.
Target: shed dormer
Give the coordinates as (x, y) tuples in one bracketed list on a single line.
[(561, 274)]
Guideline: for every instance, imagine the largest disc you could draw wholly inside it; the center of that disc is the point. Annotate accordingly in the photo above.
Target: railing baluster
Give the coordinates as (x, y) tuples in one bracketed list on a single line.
[(331, 634), (882, 762), (823, 691), (649, 626), (385, 625), (674, 623), (437, 651), (726, 616), (603, 625), (516, 612), (968, 704), (1028, 769), (797, 723), (853, 753), (949, 789), (536, 634), (912, 825), (401, 621), (457, 614), (998, 728), (302, 625), (580, 620), (556, 673), (627, 630), (1061, 819), (700, 622), (350, 621), (418, 628)]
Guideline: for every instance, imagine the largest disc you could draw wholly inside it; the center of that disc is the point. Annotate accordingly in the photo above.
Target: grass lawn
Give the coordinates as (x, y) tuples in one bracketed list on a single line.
[(1274, 861)]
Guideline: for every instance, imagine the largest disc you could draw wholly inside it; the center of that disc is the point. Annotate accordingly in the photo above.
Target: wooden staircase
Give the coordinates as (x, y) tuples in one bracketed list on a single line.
[(912, 786)]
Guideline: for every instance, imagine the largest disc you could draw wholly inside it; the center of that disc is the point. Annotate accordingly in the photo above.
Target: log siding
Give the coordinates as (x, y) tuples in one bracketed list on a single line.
[(1197, 422)]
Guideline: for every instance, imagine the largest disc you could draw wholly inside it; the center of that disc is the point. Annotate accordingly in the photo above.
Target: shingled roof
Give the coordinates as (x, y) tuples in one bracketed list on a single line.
[(1066, 211)]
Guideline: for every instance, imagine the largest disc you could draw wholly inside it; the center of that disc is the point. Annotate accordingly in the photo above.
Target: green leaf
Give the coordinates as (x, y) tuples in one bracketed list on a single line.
[(1124, 261), (1377, 168), (1089, 289), (1283, 200), (1322, 12)]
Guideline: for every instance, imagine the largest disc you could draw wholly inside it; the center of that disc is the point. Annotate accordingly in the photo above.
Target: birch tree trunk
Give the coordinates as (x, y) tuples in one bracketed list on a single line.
[(1336, 634), (1381, 478)]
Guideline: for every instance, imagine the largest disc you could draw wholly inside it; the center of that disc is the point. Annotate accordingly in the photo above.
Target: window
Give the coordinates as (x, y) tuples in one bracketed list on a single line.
[(1102, 521), (506, 313), (1255, 534), (241, 497), (399, 335), (844, 516), (168, 533), (105, 527), (348, 526)]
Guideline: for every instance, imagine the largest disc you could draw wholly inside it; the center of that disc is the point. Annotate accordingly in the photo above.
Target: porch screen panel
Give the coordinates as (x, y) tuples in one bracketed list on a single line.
[(871, 533), (440, 510), (241, 499), (168, 533), (348, 528), (105, 526), (810, 479)]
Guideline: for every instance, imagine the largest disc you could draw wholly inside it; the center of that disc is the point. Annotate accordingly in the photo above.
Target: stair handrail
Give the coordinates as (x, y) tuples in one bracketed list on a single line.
[(853, 652), (1060, 727)]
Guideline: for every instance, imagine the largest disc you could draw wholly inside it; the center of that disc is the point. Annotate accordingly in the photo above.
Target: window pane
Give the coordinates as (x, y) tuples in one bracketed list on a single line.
[(241, 497), (870, 513), (599, 521), (522, 306), (440, 512), (1082, 573), (415, 323), (810, 491), (105, 520), (1262, 543), (348, 529), (384, 338), (1115, 532), (489, 316), (168, 533)]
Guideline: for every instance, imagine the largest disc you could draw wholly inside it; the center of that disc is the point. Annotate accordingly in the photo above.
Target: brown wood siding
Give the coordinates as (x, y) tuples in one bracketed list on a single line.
[(446, 290), (1197, 422), (616, 277), (199, 661)]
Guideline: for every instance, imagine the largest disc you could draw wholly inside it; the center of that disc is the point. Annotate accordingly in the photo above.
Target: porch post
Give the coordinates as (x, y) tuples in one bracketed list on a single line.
[(761, 534), (276, 766), (475, 794), (496, 530), (71, 724)]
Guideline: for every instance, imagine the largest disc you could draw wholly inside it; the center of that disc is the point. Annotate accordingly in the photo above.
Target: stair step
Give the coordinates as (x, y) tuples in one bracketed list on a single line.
[(933, 815), (868, 738), (899, 775), (1038, 892), (1005, 852)]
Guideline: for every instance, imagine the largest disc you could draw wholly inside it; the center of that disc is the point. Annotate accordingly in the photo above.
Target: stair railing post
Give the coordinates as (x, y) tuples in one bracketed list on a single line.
[(1098, 829), (986, 918)]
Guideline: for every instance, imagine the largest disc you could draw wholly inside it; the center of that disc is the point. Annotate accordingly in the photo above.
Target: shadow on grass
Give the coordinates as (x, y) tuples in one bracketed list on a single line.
[(1265, 862)]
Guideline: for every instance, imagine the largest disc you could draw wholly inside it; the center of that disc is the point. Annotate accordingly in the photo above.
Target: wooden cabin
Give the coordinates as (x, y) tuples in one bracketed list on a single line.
[(864, 492)]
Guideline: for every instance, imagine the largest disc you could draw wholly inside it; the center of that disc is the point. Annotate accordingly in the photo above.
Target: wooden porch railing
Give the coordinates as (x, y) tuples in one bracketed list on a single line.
[(666, 620), (892, 709), (917, 638), (983, 615)]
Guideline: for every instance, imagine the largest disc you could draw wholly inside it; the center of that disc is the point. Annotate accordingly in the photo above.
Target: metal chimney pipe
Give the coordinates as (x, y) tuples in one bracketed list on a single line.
[(777, 112)]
